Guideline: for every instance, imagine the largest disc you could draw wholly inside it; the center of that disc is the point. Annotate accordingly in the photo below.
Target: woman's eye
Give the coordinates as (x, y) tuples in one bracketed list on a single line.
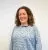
[(19, 14), (23, 13)]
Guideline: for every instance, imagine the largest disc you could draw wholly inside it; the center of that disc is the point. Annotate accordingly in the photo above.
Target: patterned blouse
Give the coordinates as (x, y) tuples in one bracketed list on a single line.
[(25, 38)]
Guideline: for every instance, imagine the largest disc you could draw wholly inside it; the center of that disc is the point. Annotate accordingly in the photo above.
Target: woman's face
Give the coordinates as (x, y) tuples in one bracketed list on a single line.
[(23, 17)]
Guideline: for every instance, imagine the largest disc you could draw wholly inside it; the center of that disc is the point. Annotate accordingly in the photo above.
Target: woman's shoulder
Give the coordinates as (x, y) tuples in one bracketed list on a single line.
[(35, 28), (15, 27)]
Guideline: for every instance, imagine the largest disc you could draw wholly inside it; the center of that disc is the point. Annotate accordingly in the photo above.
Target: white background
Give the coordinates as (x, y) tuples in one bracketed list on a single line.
[(7, 16)]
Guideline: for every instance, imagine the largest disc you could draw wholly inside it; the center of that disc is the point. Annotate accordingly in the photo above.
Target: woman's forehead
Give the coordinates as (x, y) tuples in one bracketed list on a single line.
[(22, 11)]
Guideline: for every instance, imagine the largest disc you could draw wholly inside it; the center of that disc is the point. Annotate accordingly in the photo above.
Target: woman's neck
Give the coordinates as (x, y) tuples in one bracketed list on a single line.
[(23, 24)]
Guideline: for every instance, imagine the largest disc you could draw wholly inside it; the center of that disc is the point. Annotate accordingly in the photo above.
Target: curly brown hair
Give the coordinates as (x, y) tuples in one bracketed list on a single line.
[(30, 16)]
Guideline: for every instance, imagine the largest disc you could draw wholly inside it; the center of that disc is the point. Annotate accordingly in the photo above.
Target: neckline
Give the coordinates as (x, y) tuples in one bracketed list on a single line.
[(24, 25)]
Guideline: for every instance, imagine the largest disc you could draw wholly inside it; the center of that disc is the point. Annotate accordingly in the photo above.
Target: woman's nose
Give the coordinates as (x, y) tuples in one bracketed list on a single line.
[(22, 15)]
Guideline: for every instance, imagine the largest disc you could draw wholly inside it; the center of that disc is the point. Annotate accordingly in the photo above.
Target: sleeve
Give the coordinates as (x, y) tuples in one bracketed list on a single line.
[(11, 41), (38, 45)]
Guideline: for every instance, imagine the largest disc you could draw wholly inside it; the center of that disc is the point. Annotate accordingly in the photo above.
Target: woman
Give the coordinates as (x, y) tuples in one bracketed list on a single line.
[(25, 34)]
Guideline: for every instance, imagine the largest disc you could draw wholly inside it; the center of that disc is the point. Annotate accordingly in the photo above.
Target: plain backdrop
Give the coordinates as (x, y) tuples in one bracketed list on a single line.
[(7, 17)]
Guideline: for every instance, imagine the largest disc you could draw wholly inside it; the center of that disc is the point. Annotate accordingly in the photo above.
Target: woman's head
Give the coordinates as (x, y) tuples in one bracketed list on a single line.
[(24, 15)]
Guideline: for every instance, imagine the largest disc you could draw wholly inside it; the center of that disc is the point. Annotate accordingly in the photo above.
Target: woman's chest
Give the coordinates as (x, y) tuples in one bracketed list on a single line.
[(23, 33)]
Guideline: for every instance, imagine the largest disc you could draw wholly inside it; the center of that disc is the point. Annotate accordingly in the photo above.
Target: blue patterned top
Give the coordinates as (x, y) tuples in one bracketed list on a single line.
[(25, 38)]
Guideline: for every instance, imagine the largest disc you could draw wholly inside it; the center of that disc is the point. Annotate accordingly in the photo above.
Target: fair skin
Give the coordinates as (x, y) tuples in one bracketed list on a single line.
[(23, 17)]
